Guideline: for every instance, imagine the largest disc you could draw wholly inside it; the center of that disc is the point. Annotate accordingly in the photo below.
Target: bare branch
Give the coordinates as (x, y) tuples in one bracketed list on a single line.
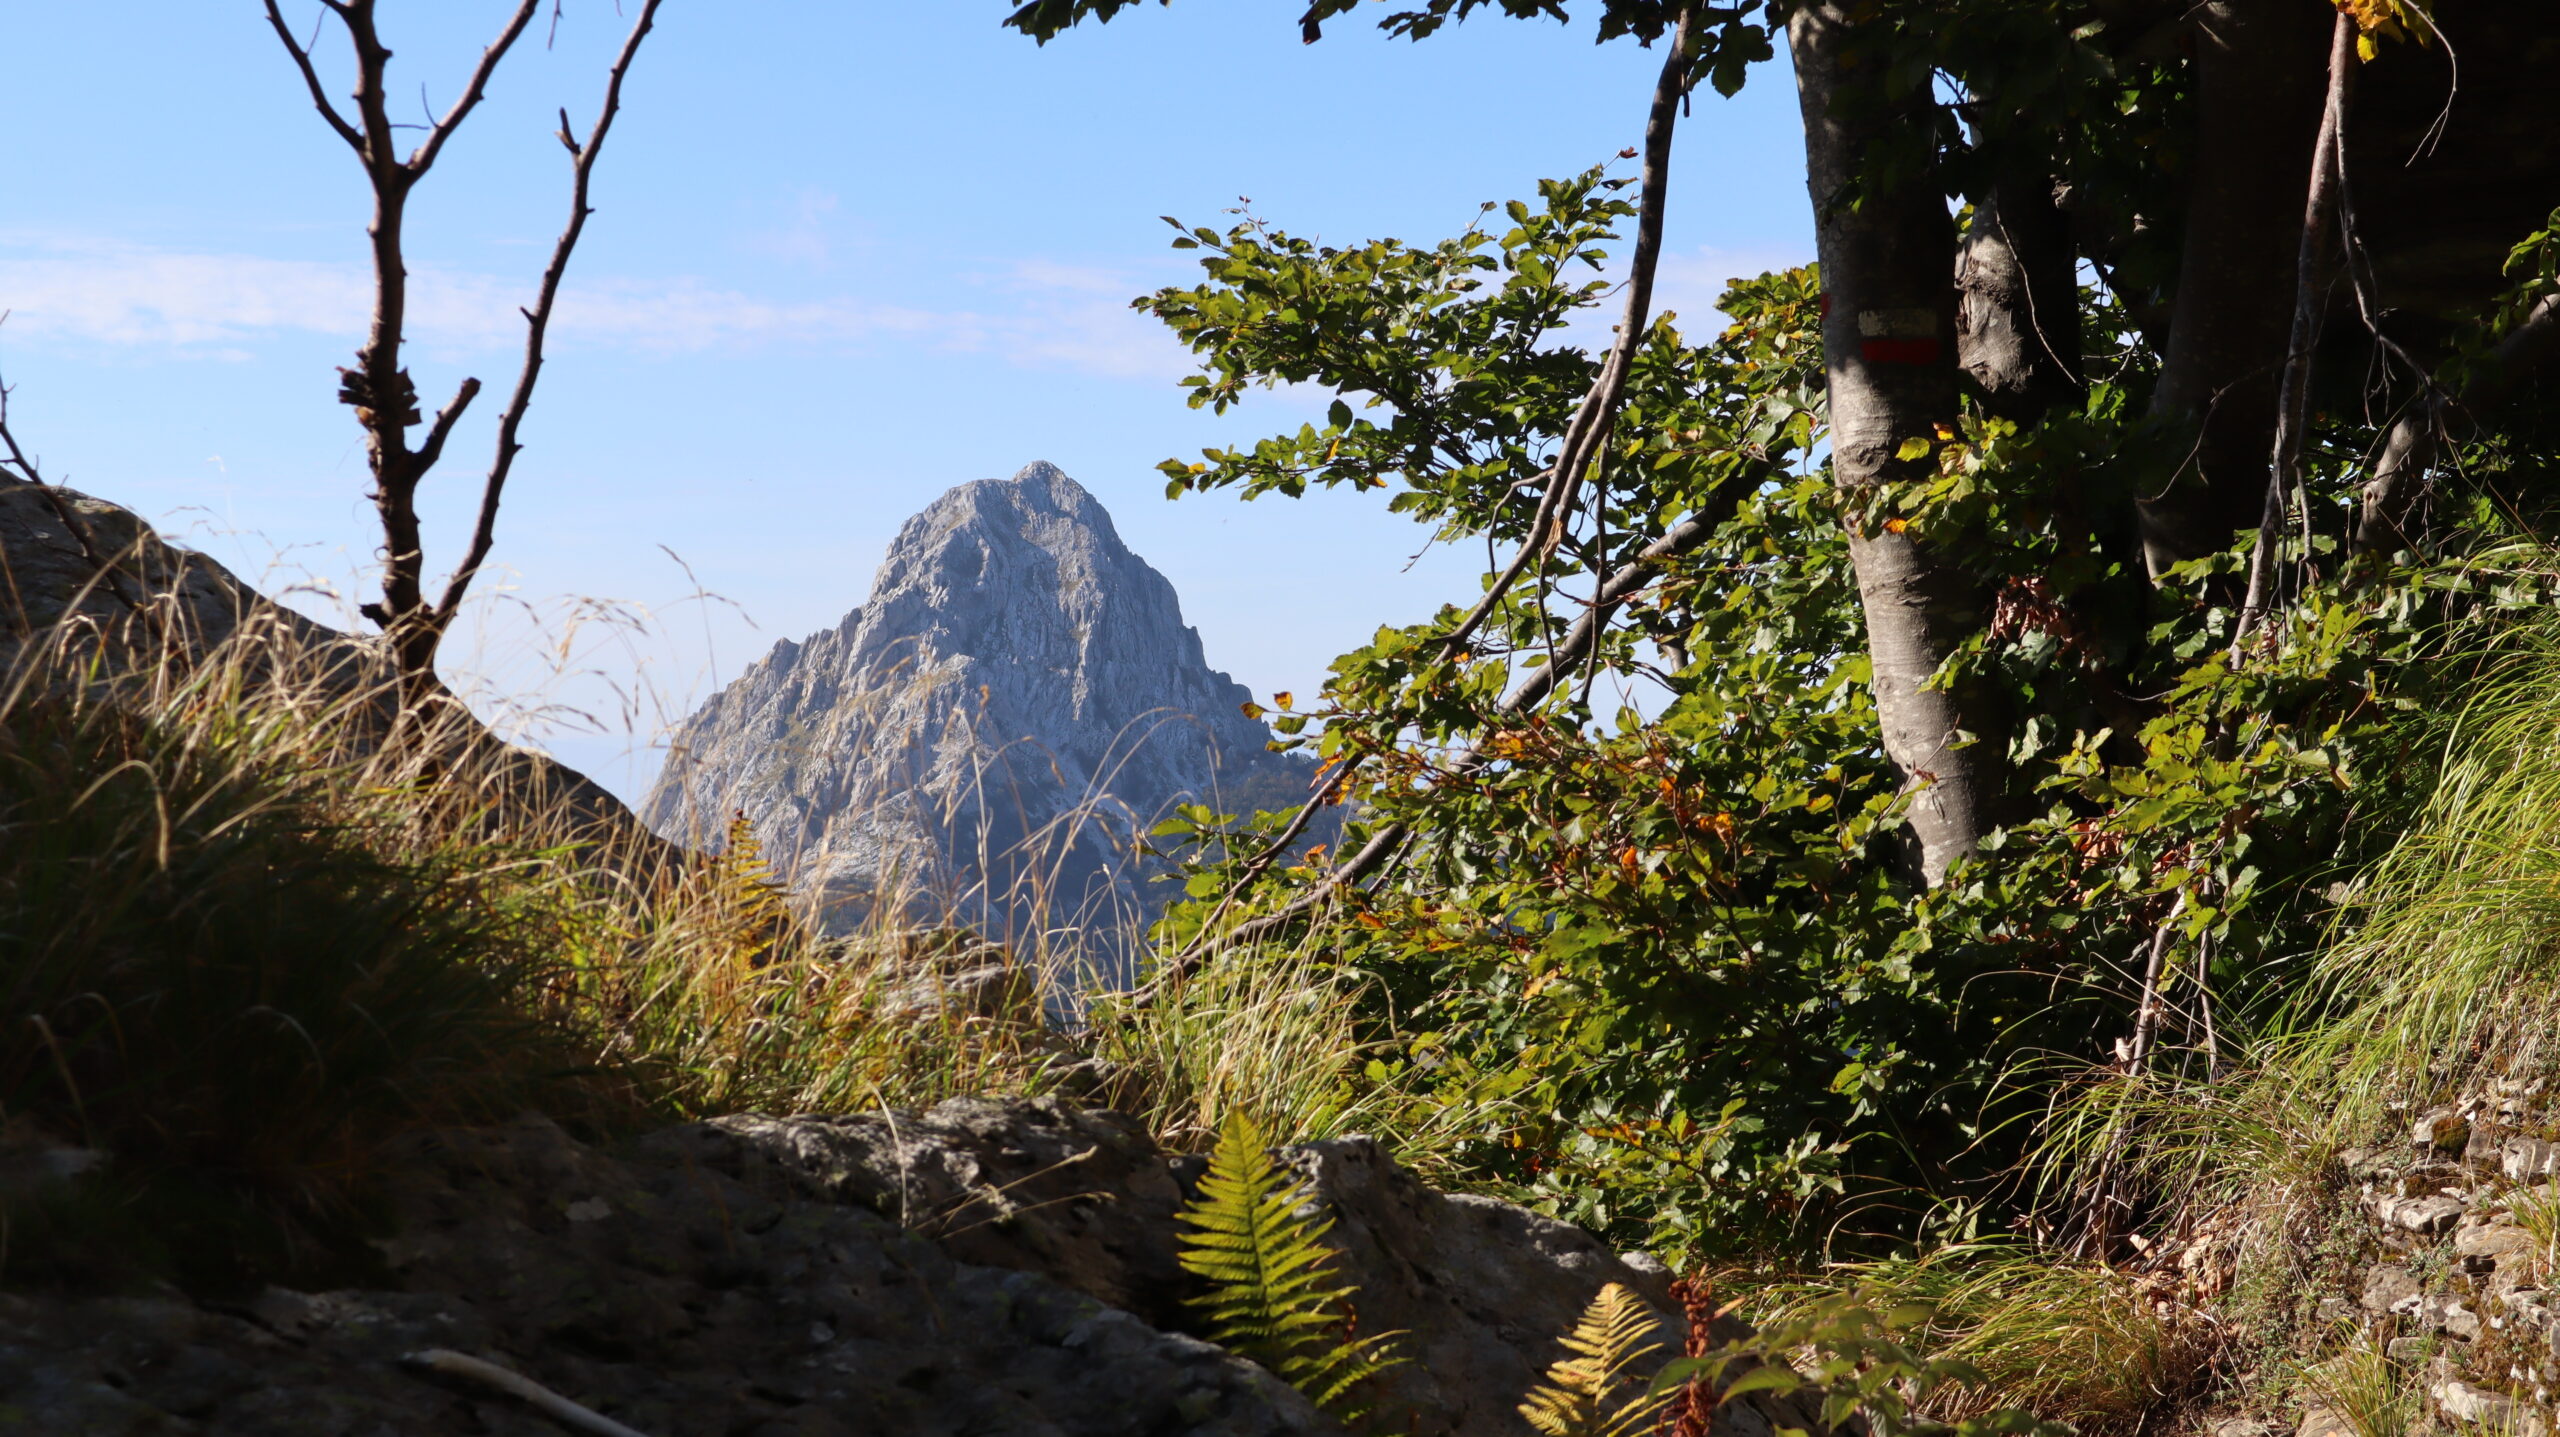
[(1590, 425), (2409, 450), (538, 318), (311, 78), (433, 449), (1627, 581), (2293, 404), (574, 1416), (425, 156)]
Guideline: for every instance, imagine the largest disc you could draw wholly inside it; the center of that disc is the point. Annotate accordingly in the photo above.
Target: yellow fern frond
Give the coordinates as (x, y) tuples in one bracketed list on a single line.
[(1580, 1396)]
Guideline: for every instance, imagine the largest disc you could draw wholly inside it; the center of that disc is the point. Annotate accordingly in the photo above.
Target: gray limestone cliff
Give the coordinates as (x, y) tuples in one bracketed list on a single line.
[(981, 741)]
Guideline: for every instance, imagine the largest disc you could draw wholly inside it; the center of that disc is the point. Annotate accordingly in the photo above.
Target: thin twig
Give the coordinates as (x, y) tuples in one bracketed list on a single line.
[(1590, 425), (301, 54), (18, 459), (2293, 403), (538, 318), (446, 1362), (424, 157), (2409, 450), (2146, 1011)]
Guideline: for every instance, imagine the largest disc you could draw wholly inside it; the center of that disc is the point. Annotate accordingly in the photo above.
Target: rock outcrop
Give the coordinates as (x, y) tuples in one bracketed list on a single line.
[(1481, 1289), (982, 740), (2455, 1217), (980, 1267), (74, 564), (669, 1297)]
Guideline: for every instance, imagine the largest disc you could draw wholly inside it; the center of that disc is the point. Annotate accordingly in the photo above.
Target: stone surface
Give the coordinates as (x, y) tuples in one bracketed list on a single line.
[(981, 740), (2442, 1129), (2475, 1406), (675, 1299), (2525, 1159), (2436, 1312), (2433, 1213), (2491, 1240), (2386, 1285), (978, 1268), (1484, 1291)]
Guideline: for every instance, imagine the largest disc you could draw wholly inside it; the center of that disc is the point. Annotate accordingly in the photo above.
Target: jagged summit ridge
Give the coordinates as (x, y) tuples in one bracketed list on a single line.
[(1015, 700)]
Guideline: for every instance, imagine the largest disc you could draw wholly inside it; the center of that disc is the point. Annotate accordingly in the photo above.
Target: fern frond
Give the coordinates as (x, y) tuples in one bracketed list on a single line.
[(1616, 1332), (1272, 1295)]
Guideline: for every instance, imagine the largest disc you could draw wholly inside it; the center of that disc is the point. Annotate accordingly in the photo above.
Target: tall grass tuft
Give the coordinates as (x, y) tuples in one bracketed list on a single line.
[(2076, 1342), (231, 958), (1275, 1035), (2450, 965)]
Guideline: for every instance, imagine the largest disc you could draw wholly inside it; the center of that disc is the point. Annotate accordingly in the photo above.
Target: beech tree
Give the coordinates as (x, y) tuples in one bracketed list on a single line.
[(2199, 239), (378, 386), (2033, 585)]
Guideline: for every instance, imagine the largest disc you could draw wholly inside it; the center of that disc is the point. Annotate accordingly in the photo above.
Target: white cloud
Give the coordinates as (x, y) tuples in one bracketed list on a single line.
[(806, 239), (209, 305)]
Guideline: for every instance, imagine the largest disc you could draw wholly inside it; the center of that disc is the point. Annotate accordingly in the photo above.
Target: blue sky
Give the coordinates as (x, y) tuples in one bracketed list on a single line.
[(846, 255)]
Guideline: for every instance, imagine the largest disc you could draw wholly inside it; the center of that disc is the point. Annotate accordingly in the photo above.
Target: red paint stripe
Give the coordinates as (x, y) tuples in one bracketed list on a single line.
[(1898, 351)]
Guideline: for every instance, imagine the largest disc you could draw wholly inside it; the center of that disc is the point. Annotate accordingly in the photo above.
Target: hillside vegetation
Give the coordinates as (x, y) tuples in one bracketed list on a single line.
[(2009, 829)]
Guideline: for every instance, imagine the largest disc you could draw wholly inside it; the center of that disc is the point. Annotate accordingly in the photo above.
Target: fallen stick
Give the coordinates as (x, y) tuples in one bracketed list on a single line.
[(444, 1361)]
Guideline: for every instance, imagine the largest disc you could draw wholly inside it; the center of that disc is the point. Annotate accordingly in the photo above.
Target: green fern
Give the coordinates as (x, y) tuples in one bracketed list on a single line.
[(1272, 1294), (1616, 1332)]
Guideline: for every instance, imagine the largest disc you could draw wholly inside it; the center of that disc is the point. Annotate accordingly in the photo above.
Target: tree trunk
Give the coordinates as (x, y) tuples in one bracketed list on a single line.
[(1889, 349), (2260, 68), (2018, 298), (2399, 476)]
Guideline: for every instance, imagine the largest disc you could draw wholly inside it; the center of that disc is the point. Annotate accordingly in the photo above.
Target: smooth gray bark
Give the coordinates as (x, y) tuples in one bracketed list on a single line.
[(1890, 354), (2017, 298)]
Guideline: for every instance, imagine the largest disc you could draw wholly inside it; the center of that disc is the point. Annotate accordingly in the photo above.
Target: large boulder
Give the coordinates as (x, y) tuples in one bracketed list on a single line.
[(668, 1296), (979, 1267), (1482, 1291)]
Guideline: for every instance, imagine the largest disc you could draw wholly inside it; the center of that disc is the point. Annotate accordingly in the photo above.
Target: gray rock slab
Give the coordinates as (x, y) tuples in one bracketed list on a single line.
[(1483, 1291)]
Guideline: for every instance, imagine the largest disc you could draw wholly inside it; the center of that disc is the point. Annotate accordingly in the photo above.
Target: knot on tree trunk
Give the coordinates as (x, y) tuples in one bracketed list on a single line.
[(400, 405)]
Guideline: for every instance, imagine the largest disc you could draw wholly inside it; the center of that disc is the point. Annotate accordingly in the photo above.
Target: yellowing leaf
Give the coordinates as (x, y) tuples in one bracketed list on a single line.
[(1913, 448), (1282, 699)]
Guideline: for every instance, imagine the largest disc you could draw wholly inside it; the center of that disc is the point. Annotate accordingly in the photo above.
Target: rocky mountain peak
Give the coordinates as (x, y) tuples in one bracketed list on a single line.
[(984, 737)]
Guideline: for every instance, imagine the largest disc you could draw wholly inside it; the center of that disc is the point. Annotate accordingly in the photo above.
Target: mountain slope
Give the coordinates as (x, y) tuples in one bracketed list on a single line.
[(983, 737)]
